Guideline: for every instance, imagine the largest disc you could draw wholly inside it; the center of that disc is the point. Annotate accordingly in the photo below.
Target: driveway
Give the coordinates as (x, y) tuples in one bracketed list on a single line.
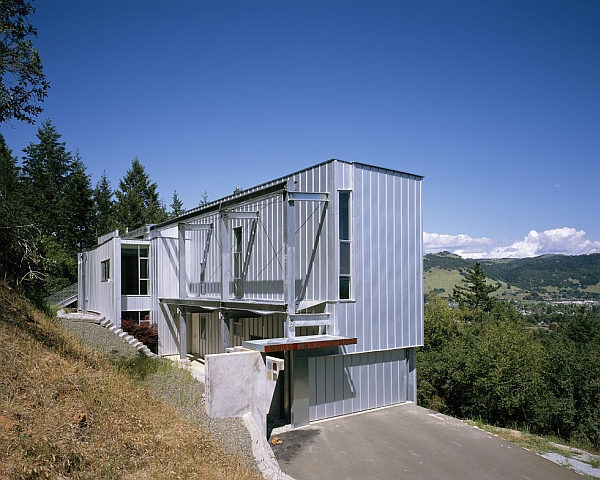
[(406, 441)]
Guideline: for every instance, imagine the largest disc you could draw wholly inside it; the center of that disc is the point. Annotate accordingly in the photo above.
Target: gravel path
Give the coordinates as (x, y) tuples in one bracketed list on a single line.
[(175, 388)]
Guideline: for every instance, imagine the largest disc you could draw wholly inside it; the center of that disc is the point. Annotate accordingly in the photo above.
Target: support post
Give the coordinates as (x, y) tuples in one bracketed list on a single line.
[(289, 255), (182, 334), (225, 241), (225, 331), (411, 394), (181, 261), (299, 390), (287, 387)]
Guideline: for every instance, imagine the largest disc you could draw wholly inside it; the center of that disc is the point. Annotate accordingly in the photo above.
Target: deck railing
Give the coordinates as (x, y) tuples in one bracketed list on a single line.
[(64, 297)]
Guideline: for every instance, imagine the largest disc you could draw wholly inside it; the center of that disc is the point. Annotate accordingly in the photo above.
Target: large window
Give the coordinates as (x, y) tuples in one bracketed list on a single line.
[(135, 271), (237, 262), (345, 244)]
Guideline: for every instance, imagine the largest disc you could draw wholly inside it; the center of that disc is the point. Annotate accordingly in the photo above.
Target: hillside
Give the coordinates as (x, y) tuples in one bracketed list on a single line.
[(557, 277), (66, 411)]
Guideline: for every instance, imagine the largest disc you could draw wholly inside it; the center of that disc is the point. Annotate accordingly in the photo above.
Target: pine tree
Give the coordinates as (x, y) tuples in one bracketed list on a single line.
[(138, 202), (176, 206), (58, 197), (78, 204), (476, 293), (19, 238), (104, 204), (204, 200), (44, 175), (9, 172)]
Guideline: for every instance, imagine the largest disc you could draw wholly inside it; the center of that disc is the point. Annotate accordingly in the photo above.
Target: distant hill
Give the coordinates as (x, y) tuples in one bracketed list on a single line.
[(558, 277)]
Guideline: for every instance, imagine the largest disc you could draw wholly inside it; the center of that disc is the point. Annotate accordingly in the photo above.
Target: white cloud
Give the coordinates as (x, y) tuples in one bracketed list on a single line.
[(568, 241), (439, 242)]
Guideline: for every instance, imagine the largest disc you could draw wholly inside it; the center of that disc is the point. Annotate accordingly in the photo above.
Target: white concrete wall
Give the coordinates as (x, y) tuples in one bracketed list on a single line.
[(238, 383)]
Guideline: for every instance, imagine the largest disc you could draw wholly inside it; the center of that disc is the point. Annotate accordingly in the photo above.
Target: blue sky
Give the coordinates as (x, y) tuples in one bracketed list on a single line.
[(496, 103)]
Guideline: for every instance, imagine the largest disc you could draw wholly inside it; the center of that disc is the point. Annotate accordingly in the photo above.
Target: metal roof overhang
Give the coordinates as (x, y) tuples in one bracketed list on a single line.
[(234, 309), (270, 345)]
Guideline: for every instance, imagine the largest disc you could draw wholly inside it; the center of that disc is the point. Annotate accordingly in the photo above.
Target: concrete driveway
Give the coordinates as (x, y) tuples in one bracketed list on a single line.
[(406, 441)]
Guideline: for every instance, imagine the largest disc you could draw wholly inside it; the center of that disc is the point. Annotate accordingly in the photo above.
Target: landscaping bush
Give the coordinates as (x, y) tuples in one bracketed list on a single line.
[(145, 332)]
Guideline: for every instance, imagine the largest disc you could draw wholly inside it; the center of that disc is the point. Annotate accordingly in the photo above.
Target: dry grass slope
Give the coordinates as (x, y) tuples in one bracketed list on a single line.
[(68, 413)]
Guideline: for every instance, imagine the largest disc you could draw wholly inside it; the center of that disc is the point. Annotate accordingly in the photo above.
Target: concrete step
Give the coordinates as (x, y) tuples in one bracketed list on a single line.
[(130, 339)]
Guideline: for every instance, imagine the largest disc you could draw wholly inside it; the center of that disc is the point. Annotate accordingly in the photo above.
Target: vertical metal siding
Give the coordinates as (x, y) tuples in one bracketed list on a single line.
[(385, 312), (101, 295), (264, 279), (342, 384), (387, 260)]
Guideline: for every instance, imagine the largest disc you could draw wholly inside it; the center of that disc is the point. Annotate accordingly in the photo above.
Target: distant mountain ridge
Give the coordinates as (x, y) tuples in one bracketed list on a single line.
[(546, 276)]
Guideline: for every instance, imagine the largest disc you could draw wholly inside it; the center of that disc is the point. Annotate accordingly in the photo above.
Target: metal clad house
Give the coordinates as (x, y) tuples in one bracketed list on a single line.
[(322, 267)]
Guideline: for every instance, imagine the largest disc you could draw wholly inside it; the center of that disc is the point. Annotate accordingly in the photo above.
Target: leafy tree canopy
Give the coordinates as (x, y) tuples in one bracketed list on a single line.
[(22, 82)]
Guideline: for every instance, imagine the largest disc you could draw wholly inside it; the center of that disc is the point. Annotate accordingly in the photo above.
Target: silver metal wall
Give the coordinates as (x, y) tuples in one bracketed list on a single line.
[(94, 294), (387, 272), (342, 384), (384, 313)]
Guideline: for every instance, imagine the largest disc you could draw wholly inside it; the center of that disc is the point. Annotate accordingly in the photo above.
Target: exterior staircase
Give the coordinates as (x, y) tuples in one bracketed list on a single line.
[(65, 297), (130, 339), (104, 322)]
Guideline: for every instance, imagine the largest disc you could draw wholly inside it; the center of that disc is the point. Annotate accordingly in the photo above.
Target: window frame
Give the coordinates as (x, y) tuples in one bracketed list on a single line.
[(105, 270), (142, 270), (238, 328), (344, 245), (137, 316), (238, 265)]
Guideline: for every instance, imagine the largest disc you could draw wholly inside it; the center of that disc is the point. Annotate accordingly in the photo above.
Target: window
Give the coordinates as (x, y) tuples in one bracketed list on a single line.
[(203, 328), (135, 271), (238, 328), (237, 262), (136, 316), (105, 267), (345, 245)]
